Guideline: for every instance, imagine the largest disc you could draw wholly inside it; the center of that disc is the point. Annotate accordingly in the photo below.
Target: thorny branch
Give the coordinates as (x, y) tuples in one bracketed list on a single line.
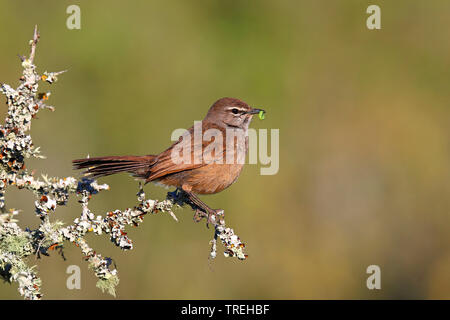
[(16, 244)]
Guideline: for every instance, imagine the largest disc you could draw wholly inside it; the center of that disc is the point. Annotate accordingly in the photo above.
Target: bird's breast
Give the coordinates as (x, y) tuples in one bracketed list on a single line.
[(213, 178), (208, 179)]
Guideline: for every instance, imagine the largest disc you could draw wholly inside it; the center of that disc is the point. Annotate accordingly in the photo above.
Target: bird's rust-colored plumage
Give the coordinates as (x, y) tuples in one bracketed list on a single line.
[(207, 175)]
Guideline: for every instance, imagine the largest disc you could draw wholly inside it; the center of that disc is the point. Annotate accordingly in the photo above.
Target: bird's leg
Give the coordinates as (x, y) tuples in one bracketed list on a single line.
[(202, 209)]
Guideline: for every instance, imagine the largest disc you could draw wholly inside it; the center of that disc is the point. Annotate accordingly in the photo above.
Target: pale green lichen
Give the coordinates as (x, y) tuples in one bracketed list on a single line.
[(108, 284), (17, 244)]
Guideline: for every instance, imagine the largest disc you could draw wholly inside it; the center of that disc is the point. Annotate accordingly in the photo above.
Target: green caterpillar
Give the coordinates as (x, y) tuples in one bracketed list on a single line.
[(261, 115)]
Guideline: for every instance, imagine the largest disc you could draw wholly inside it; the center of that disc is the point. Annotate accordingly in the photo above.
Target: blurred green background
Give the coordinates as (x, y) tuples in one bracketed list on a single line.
[(364, 140)]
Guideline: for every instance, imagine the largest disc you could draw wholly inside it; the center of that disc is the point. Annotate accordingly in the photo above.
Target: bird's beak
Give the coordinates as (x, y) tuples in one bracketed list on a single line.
[(256, 111)]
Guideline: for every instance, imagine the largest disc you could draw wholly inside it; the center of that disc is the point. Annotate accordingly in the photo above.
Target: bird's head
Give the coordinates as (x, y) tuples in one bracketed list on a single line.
[(231, 112)]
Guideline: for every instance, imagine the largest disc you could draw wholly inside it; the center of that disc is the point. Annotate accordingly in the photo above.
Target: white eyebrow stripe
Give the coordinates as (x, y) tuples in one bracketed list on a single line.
[(240, 109)]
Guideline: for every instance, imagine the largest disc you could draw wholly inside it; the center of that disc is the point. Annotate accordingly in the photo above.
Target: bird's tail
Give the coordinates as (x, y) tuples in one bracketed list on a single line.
[(139, 166)]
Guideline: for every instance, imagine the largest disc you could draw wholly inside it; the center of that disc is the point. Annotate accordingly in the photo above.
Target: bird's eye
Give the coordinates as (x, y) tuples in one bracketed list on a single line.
[(235, 111)]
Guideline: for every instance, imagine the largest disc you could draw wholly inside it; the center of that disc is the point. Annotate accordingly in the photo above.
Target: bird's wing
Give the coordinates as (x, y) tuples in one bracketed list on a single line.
[(165, 164)]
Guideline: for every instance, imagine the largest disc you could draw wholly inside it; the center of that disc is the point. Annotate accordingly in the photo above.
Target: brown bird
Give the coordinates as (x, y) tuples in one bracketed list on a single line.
[(200, 172)]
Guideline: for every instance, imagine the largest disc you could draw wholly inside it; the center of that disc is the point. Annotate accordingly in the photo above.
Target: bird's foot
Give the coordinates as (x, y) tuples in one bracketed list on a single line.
[(198, 215), (213, 216), (177, 196)]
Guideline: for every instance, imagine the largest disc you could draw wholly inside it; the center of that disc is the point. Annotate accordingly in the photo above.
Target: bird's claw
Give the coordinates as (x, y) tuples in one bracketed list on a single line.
[(212, 216), (198, 215)]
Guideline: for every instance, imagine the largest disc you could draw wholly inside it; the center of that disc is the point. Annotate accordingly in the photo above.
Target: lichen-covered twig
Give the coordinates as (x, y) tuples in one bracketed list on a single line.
[(16, 244)]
